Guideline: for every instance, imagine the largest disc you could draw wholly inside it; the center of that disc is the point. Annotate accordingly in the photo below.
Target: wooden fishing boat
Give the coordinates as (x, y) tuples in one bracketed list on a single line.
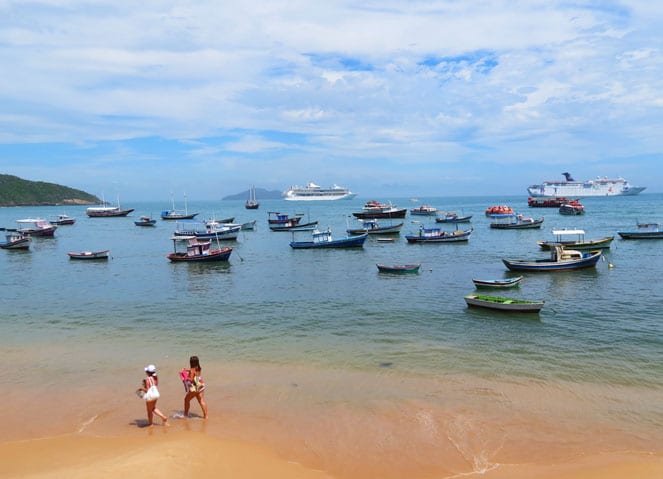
[(451, 217), (436, 235), (554, 202), (103, 254), (517, 222), (501, 303), (560, 259), (207, 231), (424, 210), (398, 268), (376, 210), (372, 227), (571, 208), (197, 251), (644, 231), (293, 224), (145, 221), (578, 240), (323, 239), (16, 240), (276, 218), (63, 219), (497, 283)]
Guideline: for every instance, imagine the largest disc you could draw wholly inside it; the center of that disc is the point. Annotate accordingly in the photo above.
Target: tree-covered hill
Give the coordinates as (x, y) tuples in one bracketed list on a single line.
[(15, 191)]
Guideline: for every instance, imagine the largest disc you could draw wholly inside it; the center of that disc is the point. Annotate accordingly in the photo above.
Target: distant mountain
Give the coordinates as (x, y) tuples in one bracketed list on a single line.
[(261, 194), (15, 191)]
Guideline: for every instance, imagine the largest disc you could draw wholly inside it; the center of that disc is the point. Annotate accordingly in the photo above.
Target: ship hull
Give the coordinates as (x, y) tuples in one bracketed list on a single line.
[(584, 189)]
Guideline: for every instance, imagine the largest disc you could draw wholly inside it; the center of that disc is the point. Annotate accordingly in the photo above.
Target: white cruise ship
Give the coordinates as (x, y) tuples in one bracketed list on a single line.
[(313, 192), (579, 189)]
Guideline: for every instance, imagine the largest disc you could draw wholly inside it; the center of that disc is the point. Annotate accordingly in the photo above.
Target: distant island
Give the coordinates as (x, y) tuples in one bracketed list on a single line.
[(261, 194), (15, 191)]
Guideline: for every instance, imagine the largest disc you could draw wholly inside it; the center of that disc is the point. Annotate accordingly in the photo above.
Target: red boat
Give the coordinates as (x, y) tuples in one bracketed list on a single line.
[(198, 251), (572, 207), (555, 202)]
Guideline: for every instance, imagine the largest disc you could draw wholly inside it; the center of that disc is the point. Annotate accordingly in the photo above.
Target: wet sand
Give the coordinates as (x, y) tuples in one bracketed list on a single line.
[(297, 422)]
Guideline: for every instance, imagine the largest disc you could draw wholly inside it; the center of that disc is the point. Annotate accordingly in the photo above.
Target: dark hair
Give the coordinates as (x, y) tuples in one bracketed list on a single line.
[(194, 362)]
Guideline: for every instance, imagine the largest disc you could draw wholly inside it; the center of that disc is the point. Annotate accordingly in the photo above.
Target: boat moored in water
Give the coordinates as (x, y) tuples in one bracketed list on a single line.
[(577, 240), (579, 189), (436, 235), (197, 251), (376, 210), (323, 239), (35, 227), (16, 240), (398, 268), (501, 303), (560, 259), (515, 222), (91, 255), (497, 283), (372, 227), (62, 219), (643, 231)]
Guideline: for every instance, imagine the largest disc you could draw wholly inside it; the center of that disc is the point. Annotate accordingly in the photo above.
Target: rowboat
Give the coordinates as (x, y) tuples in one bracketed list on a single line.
[(560, 259), (197, 251), (644, 231), (517, 222), (103, 254), (436, 235), (578, 242), (398, 268), (451, 217), (497, 283), (323, 239), (501, 303)]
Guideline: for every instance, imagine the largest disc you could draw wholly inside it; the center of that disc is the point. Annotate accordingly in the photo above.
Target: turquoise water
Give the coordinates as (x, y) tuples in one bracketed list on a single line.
[(271, 303)]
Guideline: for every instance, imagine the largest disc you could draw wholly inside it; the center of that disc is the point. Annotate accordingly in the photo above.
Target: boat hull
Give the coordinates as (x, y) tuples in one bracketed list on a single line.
[(222, 254), (640, 235), (499, 303), (454, 219), (90, 255), (295, 227), (441, 237), (399, 268), (351, 242), (520, 225), (497, 283), (376, 215), (588, 261), (18, 243), (380, 230)]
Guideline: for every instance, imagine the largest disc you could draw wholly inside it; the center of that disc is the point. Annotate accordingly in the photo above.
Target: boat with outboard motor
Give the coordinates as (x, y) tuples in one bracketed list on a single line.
[(561, 259)]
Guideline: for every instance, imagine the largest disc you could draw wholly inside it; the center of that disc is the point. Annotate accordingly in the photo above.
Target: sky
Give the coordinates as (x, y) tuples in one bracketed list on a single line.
[(149, 99)]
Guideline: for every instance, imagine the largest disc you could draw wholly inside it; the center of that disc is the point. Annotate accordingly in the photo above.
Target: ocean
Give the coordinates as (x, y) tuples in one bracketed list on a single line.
[(330, 362)]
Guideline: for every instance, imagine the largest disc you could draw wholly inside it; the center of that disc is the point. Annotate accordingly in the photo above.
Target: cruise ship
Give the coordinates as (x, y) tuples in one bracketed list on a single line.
[(313, 192), (578, 189)]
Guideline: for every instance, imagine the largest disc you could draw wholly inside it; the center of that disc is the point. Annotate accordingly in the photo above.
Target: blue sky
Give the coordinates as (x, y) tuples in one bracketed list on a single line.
[(389, 98)]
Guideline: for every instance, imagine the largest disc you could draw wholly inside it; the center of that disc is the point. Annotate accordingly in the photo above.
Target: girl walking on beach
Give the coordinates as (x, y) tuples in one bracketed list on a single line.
[(194, 385), (151, 394)]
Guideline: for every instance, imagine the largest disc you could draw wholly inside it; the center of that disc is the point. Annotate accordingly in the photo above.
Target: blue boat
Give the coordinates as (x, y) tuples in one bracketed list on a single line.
[(644, 231), (323, 239), (560, 260), (436, 235)]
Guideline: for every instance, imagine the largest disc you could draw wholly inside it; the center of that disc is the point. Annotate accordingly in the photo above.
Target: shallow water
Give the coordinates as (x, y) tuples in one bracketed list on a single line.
[(299, 337)]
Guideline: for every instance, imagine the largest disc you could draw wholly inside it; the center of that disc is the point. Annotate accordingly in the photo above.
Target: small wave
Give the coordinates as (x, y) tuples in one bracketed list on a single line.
[(87, 423)]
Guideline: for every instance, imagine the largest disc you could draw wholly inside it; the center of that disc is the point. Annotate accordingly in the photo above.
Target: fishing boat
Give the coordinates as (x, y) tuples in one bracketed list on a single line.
[(323, 239), (372, 227), (578, 189), (376, 210), (516, 222), (16, 240), (145, 221), (249, 225), (207, 231), (643, 231), (197, 251), (92, 255), (62, 219), (174, 214), (501, 303), (424, 210), (575, 239), (436, 235), (571, 208), (452, 217), (398, 268), (293, 224), (561, 259), (497, 283), (313, 192), (252, 203), (35, 227), (276, 218), (105, 211), (554, 202)]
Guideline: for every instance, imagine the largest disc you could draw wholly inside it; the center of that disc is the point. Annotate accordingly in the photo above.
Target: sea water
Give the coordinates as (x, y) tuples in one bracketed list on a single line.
[(315, 351)]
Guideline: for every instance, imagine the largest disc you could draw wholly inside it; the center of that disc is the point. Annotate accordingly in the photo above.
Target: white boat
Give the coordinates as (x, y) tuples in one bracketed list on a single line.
[(313, 192), (577, 189), (35, 227)]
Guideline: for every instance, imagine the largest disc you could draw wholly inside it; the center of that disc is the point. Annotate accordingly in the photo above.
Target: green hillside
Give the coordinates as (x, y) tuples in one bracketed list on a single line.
[(15, 191)]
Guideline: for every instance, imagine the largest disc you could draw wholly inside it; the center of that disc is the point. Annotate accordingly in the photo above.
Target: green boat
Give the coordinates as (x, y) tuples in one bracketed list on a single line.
[(501, 303)]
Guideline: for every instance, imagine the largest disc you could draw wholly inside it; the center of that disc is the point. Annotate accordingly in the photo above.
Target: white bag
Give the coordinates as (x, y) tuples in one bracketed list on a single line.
[(152, 394)]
